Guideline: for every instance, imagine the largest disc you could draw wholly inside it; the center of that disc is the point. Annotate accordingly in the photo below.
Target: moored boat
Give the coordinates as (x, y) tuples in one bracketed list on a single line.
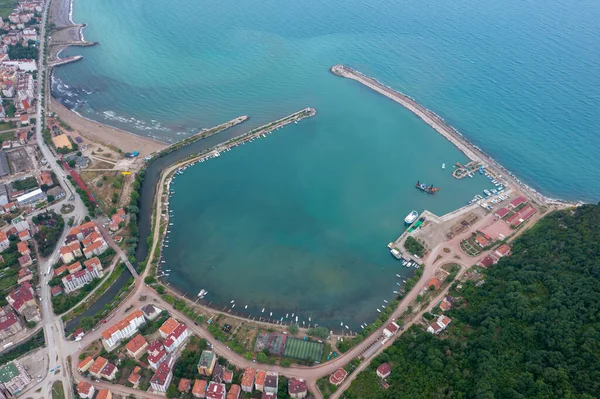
[(411, 217)]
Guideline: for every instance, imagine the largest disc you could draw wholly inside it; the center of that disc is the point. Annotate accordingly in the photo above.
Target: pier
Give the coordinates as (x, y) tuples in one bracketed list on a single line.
[(64, 61)]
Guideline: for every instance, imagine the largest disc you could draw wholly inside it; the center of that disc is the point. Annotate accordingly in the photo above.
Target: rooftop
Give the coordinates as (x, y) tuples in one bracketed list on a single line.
[(206, 358), (136, 343)]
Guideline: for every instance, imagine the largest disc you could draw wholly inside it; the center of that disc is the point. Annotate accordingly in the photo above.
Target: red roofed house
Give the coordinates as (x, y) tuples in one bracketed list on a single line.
[(297, 388), (216, 390), (122, 329), (104, 394), (85, 364), (156, 354), (4, 241), (137, 346), (184, 385), (116, 219), (23, 248), (521, 216), (176, 338), (248, 379), (109, 371), (96, 248), (75, 267), (9, 323), (502, 250), (60, 270), (135, 377), (24, 119), (338, 377), (439, 325), (24, 235), (228, 376), (517, 201), (21, 298), (234, 392), (436, 283), (24, 275), (447, 303), (168, 327), (199, 389), (482, 241), (391, 329), (384, 370), (25, 261), (97, 367), (163, 376), (85, 390), (259, 382), (46, 178)]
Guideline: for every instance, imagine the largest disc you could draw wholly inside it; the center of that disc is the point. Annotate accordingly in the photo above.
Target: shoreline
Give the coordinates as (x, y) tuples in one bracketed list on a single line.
[(473, 152)]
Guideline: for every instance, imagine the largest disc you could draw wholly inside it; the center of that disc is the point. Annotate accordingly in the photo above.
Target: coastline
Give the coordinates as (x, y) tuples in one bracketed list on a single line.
[(473, 152)]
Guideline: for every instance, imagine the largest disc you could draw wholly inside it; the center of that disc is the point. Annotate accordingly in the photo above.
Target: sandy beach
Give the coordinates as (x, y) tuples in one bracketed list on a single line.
[(104, 134)]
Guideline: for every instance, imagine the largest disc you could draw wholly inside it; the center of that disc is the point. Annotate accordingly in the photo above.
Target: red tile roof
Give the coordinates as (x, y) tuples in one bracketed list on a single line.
[(518, 201), (502, 212), (184, 385), (136, 343), (199, 387), (160, 377), (384, 369)]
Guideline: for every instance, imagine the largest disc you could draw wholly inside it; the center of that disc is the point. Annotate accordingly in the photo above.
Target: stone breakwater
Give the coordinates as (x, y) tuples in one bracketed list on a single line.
[(473, 152)]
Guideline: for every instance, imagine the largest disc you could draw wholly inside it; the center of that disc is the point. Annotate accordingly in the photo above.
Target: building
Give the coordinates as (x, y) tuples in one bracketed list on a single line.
[(447, 303), (297, 388), (502, 212), (46, 178), (338, 377), (207, 362), (439, 325), (24, 236), (56, 290), (216, 390), (80, 278), (163, 376), (217, 375), (435, 282), (184, 385), (85, 364), (234, 392), (487, 261), (69, 252), (151, 312), (176, 338), (123, 329), (117, 219), (228, 376), (109, 372), (94, 262), (21, 298), (25, 275), (104, 394), (248, 379), (156, 354), (384, 370), (74, 267), (259, 380), (85, 390), (502, 250), (97, 367), (4, 241), (13, 377), (135, 377), (136, 347), (20, 224), (25, 261), (23, 248), (97, 248), (57, 192), (31, 197), (517, 201), (80, 232), (271, 382), (391, 329), (168, 327), (9, 323), (60, 270), (199, 389), (268, 395)]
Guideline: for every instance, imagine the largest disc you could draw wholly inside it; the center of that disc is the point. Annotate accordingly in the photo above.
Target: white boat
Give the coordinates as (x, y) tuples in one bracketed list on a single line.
[(286, 315), (271, 314), (246, 307), (296, 319), (232, 301), (342, 323), (363, 327), (263, 311), (202, 293), (292, 315), (443, 166), (233, 306), (395, 292), (398, 284), (378, 310), (411, 217), (397, 275), (347, 328), (385, 301)]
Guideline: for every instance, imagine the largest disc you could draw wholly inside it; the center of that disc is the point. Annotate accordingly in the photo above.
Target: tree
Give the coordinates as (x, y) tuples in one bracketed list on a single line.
[(50, 198), (319, 332), (262, 358), (293, 329), (172, 391)]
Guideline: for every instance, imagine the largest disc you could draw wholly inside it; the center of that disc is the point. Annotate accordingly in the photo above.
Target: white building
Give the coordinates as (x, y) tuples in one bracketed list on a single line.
[(176, 338), (439, 325), (163, 376), (13, 378), (23, 65), (31, 197), (80, 278), (20, 224), (123, 329)]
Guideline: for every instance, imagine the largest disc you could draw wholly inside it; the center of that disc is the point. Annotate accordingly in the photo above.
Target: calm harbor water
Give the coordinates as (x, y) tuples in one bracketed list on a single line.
[(300, 220)]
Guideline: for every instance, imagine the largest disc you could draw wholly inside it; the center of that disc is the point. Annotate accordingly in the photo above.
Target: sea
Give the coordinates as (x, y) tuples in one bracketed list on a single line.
[(299, 222)]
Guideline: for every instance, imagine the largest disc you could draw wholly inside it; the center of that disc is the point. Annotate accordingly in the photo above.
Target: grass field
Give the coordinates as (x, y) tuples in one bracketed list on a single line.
[(58, 391), (6, 7), (299, 349)]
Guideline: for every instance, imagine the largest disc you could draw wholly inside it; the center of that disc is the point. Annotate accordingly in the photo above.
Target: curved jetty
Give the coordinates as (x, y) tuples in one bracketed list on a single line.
[(474, 153)]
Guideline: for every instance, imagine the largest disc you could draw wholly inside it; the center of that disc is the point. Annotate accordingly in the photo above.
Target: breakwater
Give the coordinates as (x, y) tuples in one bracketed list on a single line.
[(474, 153)]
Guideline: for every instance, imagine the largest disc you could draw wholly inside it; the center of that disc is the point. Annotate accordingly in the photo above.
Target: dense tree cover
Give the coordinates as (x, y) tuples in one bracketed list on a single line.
[(25, 184), (18, 52), (186, 365), (413, 246), (531, 331), (63, 302), (50, 226)]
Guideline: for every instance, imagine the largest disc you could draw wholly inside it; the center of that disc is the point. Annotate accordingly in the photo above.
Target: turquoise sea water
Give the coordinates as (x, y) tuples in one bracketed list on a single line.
[(300, 220)]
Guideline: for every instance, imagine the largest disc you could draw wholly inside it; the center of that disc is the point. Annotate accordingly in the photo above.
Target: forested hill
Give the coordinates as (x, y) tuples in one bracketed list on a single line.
[(531, 331)]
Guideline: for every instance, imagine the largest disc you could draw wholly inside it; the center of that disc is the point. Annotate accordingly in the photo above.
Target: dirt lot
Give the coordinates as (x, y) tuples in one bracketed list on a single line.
[(19, 160), (36, 363)]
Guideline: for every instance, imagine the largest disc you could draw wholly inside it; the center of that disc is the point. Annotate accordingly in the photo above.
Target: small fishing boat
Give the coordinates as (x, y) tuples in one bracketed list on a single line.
[(246, 307), (263, 311), (232, 301), (397, 275), (271, 314), (378, 310), (233, 306), (443, 166)]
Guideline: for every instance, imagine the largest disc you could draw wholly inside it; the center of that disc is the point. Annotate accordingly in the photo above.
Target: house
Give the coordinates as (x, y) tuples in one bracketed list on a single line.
[(207, 361), (248, 379), (97, 367), (199, 389), (25, 261), (435, 282), (439, 325), (75, 267), (176, 338), (184, 385), (104, 394), (69, 252), (481, 241), (502, 250), (60, 270), (13, 378), (82, 231), (23, 248), (151, 312), (228, 377), (216, 390), (168, 327), (11, 206), (259, 381), (109, 372), (447, 303), (156, 354), (85, 390), (123, 329), (20, 223), (271, 382), (97, 248), (24, 275), (135, 377), (21, 298), (268, 395), (163, 376), (80, 278), (78, 334), (517, 201), (391, 329), (24, 236), (94, 262), (9, 323), (487, 261), (234, 392), (297, 388), (57, 192), (4, 241), (46, 178), (384, 370), (338, 377), (217, 375), (117, 219), (137, 346)]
